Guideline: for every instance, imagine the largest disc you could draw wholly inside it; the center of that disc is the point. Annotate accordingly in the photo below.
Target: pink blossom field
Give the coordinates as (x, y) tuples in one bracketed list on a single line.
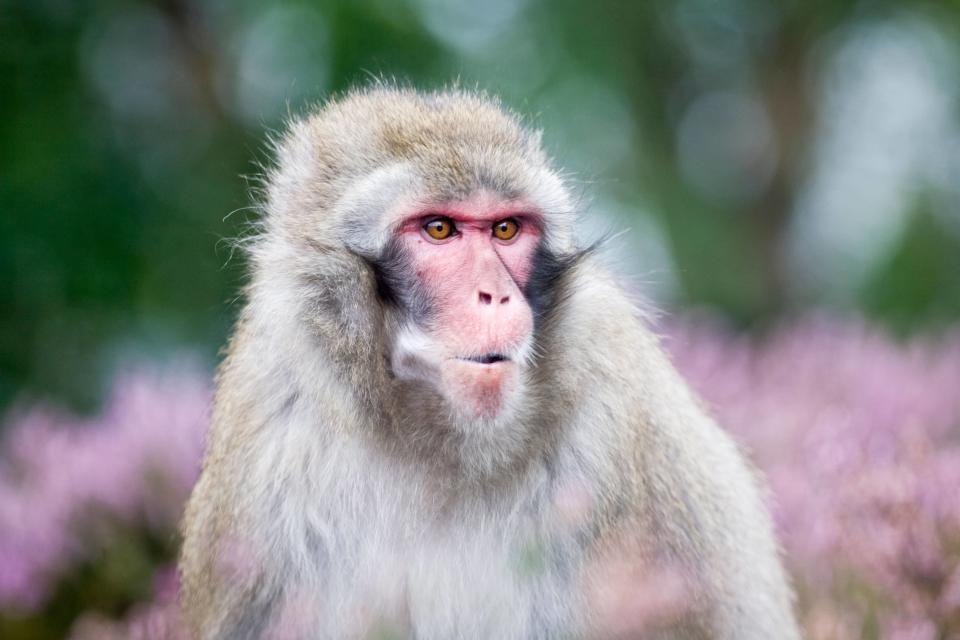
[(858, 436)]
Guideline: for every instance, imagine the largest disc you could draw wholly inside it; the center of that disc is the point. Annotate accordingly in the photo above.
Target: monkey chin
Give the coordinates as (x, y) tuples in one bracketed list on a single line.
[(477, 390), (480, 391)]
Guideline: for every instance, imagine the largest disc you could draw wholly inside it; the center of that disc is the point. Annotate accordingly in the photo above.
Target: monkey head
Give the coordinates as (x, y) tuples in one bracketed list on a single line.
[(456, 216)]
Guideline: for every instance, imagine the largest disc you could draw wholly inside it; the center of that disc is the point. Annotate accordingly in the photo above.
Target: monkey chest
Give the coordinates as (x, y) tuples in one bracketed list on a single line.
[(478, 580)]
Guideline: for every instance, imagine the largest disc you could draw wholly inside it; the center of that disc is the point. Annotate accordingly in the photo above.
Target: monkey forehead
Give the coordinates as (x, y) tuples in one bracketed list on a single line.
[(360, 160), (372, 209)]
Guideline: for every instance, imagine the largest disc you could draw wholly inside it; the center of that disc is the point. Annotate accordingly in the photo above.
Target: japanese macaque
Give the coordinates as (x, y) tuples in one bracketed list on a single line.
[(440, 417)]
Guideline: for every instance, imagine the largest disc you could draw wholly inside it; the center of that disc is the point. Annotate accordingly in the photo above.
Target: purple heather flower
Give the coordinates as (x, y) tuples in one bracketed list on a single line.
[(59, 477), (858, 436)]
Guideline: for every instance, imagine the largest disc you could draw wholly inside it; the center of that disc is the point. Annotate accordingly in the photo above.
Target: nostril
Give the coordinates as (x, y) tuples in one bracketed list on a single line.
[(485, 298), (504, 299)]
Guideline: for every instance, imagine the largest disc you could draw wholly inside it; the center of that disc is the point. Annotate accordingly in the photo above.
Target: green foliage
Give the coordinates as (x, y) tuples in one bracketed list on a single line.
[(919, 285), (125, 128), (109, 583)]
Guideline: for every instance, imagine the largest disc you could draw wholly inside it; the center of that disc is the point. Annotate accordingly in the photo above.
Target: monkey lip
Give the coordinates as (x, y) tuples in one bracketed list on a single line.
[(486, 358)]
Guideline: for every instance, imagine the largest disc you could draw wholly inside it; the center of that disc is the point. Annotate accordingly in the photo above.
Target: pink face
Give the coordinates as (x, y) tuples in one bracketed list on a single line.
[(473, 260)]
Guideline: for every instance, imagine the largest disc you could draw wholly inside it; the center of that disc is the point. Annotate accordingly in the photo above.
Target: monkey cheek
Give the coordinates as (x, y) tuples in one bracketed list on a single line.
[(480, 391)]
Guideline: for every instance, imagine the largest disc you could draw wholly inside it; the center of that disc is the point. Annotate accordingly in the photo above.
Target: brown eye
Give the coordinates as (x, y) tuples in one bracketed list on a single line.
[(439, 228), (506, 229)]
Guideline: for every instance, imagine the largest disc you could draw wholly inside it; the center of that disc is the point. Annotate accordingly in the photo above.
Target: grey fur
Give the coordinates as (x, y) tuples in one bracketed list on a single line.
[(337, 501)]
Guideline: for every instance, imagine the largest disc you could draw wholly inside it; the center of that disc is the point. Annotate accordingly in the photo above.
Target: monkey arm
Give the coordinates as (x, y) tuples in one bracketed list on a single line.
[(680, 507)]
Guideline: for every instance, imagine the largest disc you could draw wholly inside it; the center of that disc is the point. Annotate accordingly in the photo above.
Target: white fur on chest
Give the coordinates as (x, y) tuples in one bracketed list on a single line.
[(367, 549)]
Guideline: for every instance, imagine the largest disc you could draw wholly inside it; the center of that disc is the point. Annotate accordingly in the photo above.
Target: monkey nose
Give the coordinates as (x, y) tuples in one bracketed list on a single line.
[(488, 298)]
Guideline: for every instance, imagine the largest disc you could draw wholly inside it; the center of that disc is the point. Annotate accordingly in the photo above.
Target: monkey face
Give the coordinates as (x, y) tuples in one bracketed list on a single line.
[(452, 232), (468, 331)]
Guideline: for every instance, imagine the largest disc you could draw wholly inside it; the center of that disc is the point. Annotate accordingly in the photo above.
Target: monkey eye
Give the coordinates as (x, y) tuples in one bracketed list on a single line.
[(506, 229), (439, 228)]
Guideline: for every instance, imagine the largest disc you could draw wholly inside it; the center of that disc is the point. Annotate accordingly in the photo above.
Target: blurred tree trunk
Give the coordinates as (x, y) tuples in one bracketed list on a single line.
[(757, 284)]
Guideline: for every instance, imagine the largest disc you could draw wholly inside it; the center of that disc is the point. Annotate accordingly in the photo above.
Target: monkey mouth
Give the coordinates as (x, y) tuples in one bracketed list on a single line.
[(486, 358), (479, 385)]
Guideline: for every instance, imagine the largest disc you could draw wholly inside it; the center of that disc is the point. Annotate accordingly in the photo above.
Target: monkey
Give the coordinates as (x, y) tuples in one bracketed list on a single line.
[(441, 416)]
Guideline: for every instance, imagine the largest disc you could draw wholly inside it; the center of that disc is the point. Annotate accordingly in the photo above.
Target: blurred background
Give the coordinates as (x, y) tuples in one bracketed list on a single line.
[(763, 156), (770, 162)]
